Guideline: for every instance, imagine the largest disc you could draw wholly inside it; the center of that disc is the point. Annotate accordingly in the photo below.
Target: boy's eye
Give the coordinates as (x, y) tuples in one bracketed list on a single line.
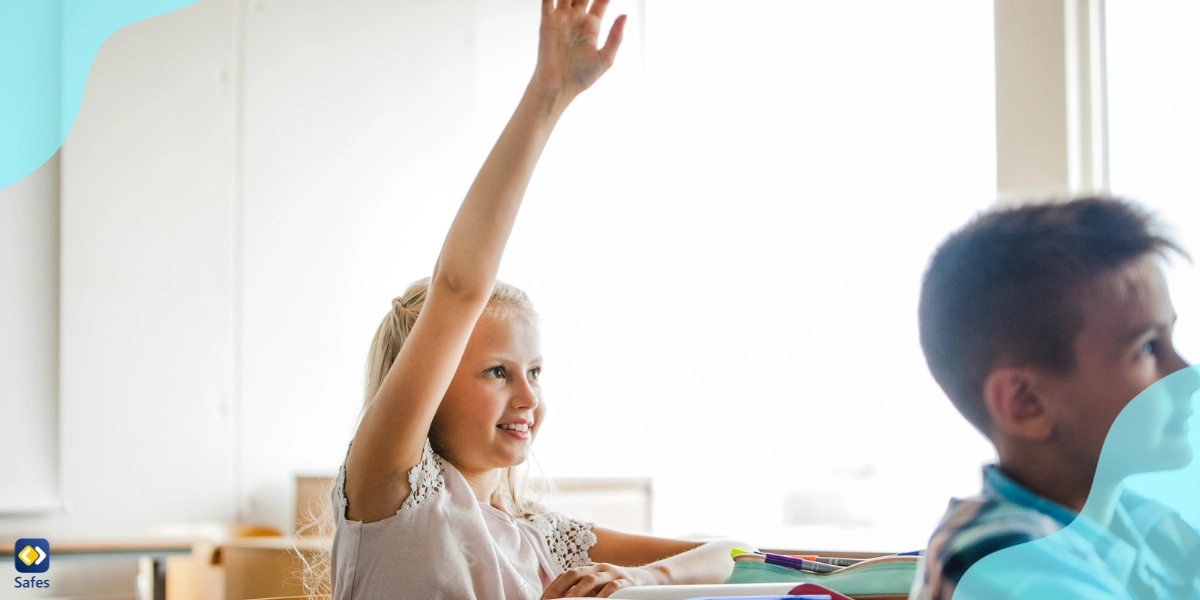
[(1149, 348), (535, 373)]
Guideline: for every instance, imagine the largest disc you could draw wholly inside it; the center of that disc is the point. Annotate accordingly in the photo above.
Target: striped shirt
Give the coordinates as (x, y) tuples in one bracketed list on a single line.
[(1147, 551)]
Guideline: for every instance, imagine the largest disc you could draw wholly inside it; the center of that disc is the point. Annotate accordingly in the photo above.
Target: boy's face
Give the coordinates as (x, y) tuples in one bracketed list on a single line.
[(1125, 346)]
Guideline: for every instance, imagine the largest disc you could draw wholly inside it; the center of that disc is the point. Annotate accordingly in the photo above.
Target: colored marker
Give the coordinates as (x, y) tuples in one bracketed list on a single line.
[(798, 563), (837, 561)]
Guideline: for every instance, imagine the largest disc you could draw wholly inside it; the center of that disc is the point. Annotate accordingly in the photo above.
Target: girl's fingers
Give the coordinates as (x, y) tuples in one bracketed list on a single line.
[(586, 585), (598, 8), (554, 590), (547, 7), (611, 588), (578, 3), (561, 584), (609, 52)]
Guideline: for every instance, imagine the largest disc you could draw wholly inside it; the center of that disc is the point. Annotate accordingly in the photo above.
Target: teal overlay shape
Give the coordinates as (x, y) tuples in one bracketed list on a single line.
[(46, 50), (1147, 480)]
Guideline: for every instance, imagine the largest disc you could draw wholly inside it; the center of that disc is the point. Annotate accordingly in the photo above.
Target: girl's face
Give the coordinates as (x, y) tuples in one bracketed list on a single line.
[(493, 407)]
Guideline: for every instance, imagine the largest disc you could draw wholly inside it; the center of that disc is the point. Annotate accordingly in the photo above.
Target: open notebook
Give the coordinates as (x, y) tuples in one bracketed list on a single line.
[(684, 592)]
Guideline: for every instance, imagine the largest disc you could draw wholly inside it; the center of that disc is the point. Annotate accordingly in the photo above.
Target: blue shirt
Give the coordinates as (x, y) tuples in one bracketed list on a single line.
[(1147, 551)]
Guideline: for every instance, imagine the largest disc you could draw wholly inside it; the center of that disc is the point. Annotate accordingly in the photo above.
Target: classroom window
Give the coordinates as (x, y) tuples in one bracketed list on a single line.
[(1154, 130), (726, 240)]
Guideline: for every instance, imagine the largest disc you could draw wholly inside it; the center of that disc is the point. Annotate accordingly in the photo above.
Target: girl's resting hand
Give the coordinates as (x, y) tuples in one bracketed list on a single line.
[(568, 60), (598, 580)]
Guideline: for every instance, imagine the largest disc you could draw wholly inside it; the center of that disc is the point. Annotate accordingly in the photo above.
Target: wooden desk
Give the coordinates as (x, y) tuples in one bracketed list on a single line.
[(137, 547), (131, 569), (176, 569)]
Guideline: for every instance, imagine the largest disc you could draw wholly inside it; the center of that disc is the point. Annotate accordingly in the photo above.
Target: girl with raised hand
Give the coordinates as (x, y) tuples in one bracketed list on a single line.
[(426, 505)]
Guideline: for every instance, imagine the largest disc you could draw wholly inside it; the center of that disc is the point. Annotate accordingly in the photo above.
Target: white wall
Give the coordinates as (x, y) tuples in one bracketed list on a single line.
[(348, 113), (147, 189), (234, 223), (29, 253)]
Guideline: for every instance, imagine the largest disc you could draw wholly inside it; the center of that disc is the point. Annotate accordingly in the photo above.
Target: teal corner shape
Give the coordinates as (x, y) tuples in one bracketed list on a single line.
[(46, 50), (1148, 481)]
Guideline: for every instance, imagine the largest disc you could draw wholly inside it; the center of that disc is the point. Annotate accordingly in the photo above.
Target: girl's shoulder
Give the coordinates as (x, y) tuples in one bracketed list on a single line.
[(568, 539), (425, 481)]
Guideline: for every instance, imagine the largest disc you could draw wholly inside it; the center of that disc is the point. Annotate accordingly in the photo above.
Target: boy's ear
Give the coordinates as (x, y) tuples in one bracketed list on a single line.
[(1014, 404)]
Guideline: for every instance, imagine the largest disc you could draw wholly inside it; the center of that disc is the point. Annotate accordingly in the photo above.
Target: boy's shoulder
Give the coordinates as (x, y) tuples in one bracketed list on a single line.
[(1002, 516), (1006, 515), (974, 528)]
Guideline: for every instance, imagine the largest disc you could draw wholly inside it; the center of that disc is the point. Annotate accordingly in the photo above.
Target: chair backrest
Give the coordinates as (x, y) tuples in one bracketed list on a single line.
[(312, 500), (624, 504)]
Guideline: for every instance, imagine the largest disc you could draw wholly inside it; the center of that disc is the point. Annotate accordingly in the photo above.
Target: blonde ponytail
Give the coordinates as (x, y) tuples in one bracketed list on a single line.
[(391, 334)]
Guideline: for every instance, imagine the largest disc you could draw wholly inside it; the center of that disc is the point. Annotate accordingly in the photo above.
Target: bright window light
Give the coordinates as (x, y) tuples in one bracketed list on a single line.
[(1154, 130), (725, 240)]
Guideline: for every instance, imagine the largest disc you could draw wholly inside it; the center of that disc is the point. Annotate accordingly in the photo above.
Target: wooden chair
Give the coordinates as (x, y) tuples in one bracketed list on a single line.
[(239, 568)]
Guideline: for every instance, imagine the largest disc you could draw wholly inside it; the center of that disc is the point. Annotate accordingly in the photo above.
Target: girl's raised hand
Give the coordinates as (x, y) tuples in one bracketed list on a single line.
[(568, 60)]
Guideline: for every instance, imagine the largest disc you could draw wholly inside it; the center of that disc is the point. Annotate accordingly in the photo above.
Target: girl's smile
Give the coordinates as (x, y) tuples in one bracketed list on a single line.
[(519, 429)]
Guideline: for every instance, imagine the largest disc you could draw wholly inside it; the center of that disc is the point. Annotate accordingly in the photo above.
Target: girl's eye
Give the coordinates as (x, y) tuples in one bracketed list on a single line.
[(535, 373), (497, 372)]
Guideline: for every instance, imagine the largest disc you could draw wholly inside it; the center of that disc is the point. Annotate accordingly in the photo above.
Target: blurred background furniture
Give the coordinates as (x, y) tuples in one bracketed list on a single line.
[(623, 504), (242, 568)]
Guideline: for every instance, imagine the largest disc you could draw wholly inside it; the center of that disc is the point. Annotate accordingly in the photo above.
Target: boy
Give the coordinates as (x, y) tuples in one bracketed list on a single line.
[(1041, 323)]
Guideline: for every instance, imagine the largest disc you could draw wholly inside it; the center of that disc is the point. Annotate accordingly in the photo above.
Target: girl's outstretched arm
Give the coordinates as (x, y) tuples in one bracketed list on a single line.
[(392, 434), (622, 560)]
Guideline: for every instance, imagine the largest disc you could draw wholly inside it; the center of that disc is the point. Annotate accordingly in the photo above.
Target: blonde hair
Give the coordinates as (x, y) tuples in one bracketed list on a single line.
[(511, 496), (507, 302)]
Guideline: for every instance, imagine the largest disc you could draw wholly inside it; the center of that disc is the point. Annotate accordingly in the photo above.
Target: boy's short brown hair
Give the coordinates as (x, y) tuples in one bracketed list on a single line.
[(1006, 289)]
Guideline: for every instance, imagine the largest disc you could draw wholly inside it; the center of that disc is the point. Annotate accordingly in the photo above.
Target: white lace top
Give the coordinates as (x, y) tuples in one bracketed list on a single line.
[(442, 543)]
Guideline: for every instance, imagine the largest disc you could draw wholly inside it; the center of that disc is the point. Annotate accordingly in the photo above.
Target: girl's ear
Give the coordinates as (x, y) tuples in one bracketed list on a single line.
[(1014, 404)]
